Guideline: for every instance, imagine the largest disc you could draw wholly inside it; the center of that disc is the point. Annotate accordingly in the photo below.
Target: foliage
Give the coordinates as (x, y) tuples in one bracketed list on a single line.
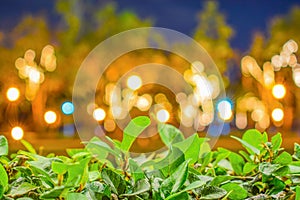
[(214, 34), (282, 29), (189, 170)]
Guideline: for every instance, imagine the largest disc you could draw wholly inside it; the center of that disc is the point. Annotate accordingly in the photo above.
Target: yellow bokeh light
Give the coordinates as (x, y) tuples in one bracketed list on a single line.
[(277, 114), (34, 75), (17, 133), (143, 103), (163, 115), (134, 82), (109, 125), (278, 91), (13, 94), (99, 114), (50, 117)]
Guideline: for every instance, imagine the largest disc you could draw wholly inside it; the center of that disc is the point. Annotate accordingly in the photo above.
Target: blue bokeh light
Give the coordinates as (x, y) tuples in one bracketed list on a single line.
[(67, 108)]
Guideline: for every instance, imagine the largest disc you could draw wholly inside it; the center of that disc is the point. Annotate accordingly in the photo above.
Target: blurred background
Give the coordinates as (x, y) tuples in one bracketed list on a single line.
[(254, 45)]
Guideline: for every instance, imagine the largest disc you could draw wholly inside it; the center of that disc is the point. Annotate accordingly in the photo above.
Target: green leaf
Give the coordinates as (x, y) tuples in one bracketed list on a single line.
[(75, 196), (245, 155), (268, 168), (236, 191), (284, 158), (297, 193), (255, 139), (296, 151), (142, 186), (218, 180), (28, 146), (97, 190), (100, 148), (173, 183), (237, 163), (24, 198), (206, 160), (250, 148), (281, 171), (132, 130), (22, 189), (249, 167), (190, 147), (169, 134), (42, 167), (53, 193), (1, 191), (3, 146), (170, 163), (3, 177), (60, 168), (78, 172), (221, 154), (277, 186), (179, 195), (94, 175), (204, 149), (294, 169), (114, 180), (276, 141), (72, 152), (135, 170), (194, 185), (212, 192)]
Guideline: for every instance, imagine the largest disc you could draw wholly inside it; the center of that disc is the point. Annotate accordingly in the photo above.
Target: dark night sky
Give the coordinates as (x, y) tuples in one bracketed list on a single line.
[(244, 16)]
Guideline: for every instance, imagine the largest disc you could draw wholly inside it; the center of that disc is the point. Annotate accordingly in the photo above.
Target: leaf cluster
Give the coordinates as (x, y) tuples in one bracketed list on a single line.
[(187, 169)]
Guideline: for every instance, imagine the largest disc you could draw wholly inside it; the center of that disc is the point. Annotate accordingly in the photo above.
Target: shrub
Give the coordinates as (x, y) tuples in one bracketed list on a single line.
[(189, 170)]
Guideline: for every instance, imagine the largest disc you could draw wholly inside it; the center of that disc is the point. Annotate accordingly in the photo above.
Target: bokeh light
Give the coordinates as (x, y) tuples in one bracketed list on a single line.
[(277, 114), (67, 108), (134, 82), (163, 115), (225, 109), (13, 94), (278, 91), (144, 102), (17, 133), (99, 114), (109, 125), (50, 117), (34, 75)]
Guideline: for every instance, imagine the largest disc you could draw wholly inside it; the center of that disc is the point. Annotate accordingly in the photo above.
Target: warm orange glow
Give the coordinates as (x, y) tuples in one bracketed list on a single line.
[(277, 114), (50, 117), (17, 133), (99, 114), (278, 91), (109, 125), (13, 94)]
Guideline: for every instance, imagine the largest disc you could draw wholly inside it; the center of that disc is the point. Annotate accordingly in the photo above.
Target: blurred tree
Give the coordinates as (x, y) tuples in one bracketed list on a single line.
[(282, 29), (214, 34), (83, 26), (265, 46)]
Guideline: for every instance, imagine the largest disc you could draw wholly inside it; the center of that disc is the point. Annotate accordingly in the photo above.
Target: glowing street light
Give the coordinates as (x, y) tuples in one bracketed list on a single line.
[(13, 94), (134, 82), (163, 115), (50, 117), (277, 114), (99, 114), (17, 133), (278, 91)]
